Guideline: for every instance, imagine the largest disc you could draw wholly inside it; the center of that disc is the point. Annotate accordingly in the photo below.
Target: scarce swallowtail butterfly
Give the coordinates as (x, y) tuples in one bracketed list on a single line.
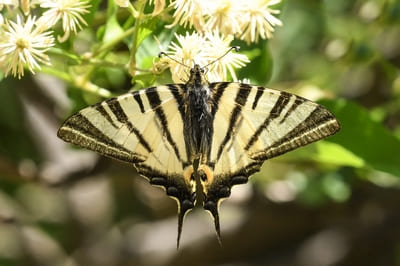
[(199, 138)]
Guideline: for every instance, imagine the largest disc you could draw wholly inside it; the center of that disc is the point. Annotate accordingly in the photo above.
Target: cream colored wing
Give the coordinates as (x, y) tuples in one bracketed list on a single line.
[(143, 128), (253, 124)]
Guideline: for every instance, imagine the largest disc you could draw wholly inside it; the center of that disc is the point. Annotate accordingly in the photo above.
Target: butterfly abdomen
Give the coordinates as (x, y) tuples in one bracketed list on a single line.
[(198, 122)]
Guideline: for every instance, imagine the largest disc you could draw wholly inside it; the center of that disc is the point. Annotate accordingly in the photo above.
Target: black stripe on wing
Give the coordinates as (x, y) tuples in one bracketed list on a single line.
[(80, 131), (240, 100), (298, 101), (155, 102), (260, 92), (176, 90), (121, 116), (138, 99), (100, 108), (276, 110), (318, 125), (217, 90)]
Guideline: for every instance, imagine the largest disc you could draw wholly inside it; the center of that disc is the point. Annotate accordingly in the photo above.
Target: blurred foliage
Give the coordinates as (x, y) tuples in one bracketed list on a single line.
[(334, 202)]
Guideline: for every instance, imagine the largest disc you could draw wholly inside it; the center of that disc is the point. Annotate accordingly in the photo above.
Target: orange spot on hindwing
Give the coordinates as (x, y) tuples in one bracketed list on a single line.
[(189, 178), (206, 176)]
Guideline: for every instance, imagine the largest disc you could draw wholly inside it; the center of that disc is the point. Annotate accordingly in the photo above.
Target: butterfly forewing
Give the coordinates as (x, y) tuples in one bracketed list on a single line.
[(143, 128), (253, 124)]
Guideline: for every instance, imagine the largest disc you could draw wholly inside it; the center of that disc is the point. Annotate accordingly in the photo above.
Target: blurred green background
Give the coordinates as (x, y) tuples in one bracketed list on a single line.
[(335, 202)]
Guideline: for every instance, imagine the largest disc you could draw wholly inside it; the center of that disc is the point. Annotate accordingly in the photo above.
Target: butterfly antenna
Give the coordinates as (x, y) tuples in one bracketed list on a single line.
[(173, 59), (236, 48)]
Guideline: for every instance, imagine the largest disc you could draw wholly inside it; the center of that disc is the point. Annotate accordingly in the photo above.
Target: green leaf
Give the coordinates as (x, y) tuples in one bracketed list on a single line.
[(144, 80), (112, 28), (259, 70), (326, 152), (146, 29), (94, 6), (364, 137), (149, 48), (330, 152)]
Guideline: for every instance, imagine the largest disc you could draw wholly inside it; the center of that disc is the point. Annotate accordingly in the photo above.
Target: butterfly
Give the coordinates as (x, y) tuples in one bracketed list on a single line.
[(198, 139)]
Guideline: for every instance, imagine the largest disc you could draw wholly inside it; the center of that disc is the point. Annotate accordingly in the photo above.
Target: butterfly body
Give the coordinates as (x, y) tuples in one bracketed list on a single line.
[(197, 118), (199, 136)]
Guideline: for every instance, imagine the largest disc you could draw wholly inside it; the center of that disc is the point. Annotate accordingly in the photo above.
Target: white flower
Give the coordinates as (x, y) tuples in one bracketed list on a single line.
[(210, 48), (68, 11), (246, 19), (224, 16), (186, 52), (214, 49), (25, 5), (189, 12), (14, 3), (259, 20), (24, 45)]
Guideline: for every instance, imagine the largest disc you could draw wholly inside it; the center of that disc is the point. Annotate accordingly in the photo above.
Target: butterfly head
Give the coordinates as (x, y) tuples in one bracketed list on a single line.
[(197, 77), (197, 72)]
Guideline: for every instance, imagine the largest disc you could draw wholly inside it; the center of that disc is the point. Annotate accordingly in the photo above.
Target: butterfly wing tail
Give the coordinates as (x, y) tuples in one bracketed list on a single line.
[(212, 207), (184, 207)]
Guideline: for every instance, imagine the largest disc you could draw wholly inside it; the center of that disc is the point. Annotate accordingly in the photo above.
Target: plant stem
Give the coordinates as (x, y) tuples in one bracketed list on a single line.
[(132, 61), (57, 73)]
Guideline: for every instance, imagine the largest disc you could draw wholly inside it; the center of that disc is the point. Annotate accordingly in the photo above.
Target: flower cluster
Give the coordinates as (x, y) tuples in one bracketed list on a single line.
[(27, 31), (69, 12), (24, 44), (25, 40), (217, 23), (248, 20), (208, 49)]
